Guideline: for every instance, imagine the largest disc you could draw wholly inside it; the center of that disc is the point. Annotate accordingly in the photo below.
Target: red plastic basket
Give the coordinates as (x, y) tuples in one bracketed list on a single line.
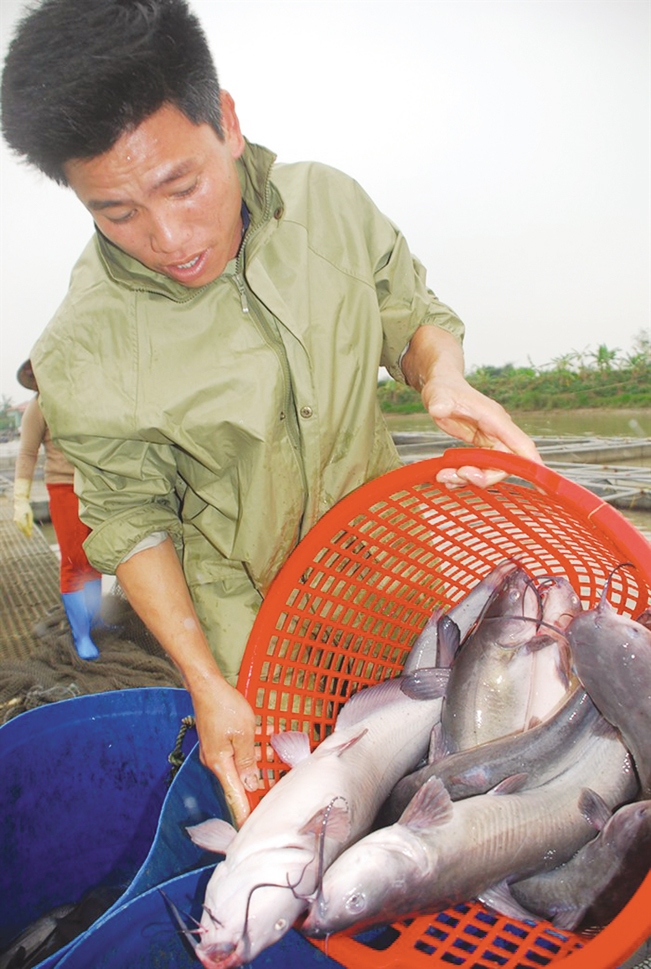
[(349, 604)]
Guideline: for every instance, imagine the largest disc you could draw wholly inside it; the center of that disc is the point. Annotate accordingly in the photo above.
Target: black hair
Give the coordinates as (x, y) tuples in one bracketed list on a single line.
[(80, 73)]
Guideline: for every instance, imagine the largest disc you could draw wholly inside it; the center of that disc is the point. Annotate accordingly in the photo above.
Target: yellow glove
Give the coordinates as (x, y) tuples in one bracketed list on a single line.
[(23, 514)]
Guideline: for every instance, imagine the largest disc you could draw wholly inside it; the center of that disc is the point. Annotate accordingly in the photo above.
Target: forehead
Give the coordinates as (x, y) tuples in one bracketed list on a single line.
[(164, 146)]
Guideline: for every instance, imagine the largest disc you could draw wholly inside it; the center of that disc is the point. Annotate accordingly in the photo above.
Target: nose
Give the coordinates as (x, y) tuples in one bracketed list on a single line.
[(169, 233)]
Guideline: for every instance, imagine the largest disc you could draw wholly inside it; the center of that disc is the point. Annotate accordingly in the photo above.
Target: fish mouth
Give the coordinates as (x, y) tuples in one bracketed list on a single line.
[(311, 928), (223, 955)]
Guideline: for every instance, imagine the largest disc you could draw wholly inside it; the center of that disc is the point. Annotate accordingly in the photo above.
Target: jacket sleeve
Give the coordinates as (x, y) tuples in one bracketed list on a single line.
[(404, 299), (32, 434), (123, 505), (406, 303)]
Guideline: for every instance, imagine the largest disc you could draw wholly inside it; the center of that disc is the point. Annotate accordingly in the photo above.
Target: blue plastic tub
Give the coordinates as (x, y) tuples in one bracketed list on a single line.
[(194, 796), (141, 935), (82, 784)]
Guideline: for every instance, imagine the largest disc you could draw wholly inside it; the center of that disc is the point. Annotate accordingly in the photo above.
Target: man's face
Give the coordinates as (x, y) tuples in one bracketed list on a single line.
[(168, 194)]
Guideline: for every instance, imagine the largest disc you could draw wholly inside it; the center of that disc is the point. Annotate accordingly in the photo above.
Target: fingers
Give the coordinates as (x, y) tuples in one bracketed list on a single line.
[(479, 477), (227, 736), (234, 785), (471, 417)]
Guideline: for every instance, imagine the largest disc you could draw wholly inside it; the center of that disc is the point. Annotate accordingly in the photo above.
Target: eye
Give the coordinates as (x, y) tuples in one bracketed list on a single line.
[(183, 193), (118, 220), (356, 902), (280, 925)]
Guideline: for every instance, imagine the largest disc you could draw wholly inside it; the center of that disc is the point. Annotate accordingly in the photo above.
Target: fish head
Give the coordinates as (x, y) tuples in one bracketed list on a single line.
[(515, 612), (248, 909), (630, 826), (367, 884), (602, 637), (560, 602)]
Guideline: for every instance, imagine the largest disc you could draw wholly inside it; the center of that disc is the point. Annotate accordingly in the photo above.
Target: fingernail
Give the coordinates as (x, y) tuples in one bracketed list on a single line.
[(251, 782)]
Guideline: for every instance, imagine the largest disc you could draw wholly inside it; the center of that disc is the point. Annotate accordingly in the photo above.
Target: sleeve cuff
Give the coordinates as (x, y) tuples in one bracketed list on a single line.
[(112, 542)]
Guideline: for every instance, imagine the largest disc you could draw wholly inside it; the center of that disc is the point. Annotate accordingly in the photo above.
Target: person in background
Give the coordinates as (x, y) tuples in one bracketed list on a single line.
[(81, 584)]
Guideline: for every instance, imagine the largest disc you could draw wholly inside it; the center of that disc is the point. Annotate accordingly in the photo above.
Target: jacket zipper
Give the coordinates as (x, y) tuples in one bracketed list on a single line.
[(274, 342)]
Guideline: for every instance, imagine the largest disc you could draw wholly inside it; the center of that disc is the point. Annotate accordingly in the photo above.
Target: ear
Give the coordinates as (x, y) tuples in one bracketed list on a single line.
[(231, 125)]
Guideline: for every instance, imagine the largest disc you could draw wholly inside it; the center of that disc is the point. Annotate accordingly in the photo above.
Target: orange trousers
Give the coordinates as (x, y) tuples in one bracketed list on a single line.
[(71, 532)]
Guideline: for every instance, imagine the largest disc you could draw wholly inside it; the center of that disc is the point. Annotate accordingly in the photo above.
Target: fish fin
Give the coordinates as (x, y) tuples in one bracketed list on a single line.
[(430, 806), (644, 619), (347, 744), (501, 899), (541, 641), (366, 701), (292, 746), (603, 728), (510, 785), (425, 684), (469, 782), (214, 835), (564, 664), (438, 744), (424, 650), (332, 821), (594, 809), (568, 918), (448, 641)]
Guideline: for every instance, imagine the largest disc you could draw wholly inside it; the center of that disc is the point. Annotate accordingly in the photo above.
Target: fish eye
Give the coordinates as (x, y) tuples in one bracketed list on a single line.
[(356, 902), (280, 925)]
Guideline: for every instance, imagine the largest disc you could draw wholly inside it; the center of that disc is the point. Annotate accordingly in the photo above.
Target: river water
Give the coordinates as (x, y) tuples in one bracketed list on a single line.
[(588, 423), (556, 423)]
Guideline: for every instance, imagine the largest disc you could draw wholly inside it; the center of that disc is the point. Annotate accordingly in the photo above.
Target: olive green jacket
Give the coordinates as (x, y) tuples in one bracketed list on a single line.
[(233, 416)]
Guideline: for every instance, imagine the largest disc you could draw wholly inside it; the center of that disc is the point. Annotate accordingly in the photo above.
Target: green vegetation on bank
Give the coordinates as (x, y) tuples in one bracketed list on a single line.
[(601, 378)]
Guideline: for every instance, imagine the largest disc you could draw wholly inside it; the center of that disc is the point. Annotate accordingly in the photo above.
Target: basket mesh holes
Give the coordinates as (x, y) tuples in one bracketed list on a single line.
[(493, 957), (538, 959), (452, 959), (501, 943), (548, 944), (465, 945), (486, 917), (380, 939)]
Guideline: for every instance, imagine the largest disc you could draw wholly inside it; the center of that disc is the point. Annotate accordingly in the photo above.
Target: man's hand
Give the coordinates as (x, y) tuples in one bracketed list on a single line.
[(433, 365), (226, 727), (465, 413), (155, 585)]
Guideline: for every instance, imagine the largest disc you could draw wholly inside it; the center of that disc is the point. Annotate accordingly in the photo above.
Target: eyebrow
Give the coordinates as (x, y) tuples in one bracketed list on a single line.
[(184, 168)]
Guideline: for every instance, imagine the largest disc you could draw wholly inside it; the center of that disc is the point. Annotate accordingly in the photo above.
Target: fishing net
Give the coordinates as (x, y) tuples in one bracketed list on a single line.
[(38, 663)]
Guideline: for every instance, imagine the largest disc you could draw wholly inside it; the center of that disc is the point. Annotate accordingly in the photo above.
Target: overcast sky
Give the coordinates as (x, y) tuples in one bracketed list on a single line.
[(509, 139)]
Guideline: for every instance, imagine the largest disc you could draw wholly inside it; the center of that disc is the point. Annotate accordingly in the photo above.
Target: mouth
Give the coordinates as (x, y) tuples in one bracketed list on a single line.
[(189, 270)]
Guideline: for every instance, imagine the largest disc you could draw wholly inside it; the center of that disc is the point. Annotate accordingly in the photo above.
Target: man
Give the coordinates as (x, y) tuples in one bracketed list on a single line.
[(212, 373)]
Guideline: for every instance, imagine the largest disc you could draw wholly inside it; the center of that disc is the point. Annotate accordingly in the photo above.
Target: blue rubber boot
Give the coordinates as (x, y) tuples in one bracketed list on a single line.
[(93, 596), (80, 619)]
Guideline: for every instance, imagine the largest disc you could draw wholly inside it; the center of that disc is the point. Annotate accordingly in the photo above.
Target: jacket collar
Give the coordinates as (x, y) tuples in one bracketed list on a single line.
[(254, 171)]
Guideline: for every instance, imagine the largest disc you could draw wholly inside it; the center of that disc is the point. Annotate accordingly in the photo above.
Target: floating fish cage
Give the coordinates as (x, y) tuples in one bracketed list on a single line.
[(349, 604)]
